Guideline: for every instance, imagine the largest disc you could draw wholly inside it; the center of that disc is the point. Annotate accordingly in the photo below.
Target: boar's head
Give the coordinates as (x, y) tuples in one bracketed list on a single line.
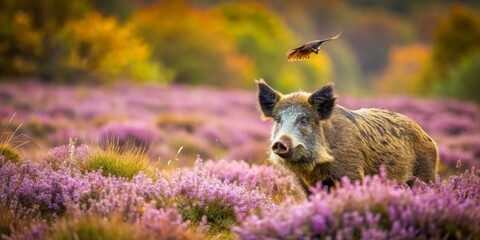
[(298, 139)]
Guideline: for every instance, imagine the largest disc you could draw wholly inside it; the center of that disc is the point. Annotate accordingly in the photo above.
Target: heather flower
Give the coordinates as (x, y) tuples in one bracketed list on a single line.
[(106, 195), (196, 193), (376, 208), (31, 186), (219, 194), (65, 154), (275, 182), (166, 224)]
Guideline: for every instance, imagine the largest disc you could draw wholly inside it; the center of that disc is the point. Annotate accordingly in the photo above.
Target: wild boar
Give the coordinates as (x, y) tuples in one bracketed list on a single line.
[(319, 140)]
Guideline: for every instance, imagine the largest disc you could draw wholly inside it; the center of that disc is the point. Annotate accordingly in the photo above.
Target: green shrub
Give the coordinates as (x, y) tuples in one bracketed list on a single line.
[(457, 36), (119, 161), (9, 153), (81, 226), (218, 216), (456, 40), (464, 82), (94, 228)]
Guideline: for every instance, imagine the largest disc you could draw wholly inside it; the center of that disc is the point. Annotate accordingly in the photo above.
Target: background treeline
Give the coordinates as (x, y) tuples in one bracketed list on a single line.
[(414, 47)]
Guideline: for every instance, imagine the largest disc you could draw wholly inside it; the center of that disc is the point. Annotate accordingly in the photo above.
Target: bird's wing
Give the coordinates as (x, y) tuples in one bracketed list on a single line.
[(297, 54), (317, 43), (334, 37)]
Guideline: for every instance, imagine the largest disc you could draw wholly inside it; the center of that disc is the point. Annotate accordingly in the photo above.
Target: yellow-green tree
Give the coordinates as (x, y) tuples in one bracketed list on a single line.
[(455, 38), (26, 32), (454, 61), (21, 46), (190, 41), (98, 48)]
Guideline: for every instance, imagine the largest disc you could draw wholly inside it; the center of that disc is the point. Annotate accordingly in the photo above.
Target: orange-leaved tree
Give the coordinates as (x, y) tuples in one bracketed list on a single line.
[(405, 67)]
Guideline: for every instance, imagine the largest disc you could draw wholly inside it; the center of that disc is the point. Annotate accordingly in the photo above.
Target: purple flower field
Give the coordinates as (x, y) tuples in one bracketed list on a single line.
[(145, 162)]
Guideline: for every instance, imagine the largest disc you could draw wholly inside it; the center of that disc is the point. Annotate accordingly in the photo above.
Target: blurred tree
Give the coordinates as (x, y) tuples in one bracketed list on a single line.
[(59, 40), (454, 58), (26, 32), (20, 45), (46, 15), (97, 48), (257, 33), (464, 81), (405, 66), (190, 42), (425, 20), (457, 36), (230, 43), (121, 9)]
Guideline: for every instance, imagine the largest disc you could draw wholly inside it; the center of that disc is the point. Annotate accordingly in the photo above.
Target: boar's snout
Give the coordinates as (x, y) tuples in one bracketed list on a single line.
[(282, 147)]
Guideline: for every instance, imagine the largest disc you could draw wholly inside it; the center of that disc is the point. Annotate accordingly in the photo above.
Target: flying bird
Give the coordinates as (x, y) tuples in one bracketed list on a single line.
[(304, 51)]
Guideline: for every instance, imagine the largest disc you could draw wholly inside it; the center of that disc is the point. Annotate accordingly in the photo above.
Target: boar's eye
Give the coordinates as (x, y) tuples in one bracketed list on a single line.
[(304, 120), (278, 119)]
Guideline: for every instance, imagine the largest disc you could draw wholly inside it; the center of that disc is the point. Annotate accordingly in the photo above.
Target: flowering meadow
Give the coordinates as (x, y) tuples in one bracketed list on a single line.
[(177, 162)]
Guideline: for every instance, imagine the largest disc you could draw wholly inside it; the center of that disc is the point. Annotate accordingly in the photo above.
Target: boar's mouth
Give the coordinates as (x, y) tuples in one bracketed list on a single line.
[(296, 155), (300, 166)]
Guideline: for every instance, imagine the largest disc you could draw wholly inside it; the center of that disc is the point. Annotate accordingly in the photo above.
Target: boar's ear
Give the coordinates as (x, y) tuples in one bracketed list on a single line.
[(323, 100), (267, 98)]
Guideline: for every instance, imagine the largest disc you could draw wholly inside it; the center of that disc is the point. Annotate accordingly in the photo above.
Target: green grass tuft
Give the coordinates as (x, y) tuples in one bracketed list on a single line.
[(218, 216), (9, 153), (93, 227), (119, 161)]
